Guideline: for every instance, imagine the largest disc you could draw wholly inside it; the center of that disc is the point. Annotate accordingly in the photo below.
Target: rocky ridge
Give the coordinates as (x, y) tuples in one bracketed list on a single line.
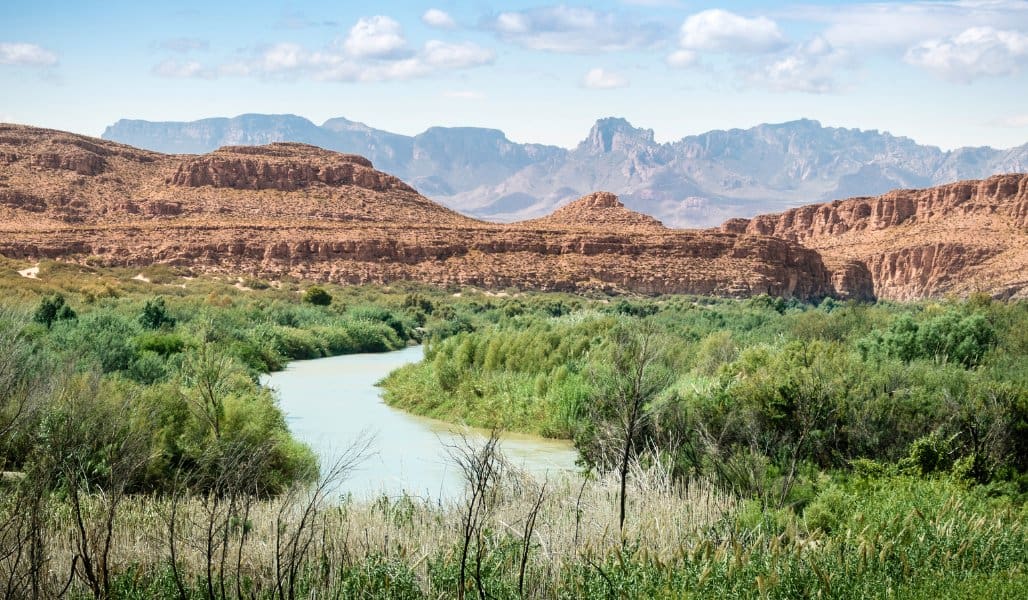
[(287, 208), (300, 210), (966, 237)]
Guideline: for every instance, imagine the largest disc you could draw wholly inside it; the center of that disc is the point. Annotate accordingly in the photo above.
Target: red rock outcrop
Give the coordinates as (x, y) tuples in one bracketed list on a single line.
[(970, 236), (599, 209), (282, 166), (295, 209)]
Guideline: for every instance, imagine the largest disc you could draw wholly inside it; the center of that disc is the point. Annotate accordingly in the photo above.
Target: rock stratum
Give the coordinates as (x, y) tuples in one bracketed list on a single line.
[(295, 209)]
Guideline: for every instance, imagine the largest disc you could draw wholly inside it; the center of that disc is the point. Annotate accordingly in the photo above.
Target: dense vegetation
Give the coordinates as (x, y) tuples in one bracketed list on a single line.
[(758, 390), (758, 448)]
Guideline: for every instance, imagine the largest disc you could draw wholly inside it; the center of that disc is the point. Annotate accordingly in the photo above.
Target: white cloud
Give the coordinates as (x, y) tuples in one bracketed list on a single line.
[(289, 61), (681, 59), (434, 17), (899, 25), (182, 70), (723, 31), (574, 30), (974, 53), (811, 68), (29, 55), (379, 37), (602, 79)]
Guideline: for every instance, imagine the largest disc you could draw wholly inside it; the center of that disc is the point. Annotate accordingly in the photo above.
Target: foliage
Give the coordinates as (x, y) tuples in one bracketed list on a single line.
[(317, 296), (155, 315), (53, 308)]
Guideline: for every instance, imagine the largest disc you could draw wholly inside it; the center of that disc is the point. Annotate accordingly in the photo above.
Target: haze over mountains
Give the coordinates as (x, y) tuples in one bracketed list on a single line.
[(697, 181)]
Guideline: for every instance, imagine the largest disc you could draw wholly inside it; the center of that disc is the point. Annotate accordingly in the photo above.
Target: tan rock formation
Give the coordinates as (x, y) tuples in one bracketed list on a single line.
[(599, 209), (296, 209), (962, 238)]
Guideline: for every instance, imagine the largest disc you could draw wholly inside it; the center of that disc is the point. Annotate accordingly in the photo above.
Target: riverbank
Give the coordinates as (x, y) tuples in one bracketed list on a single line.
[(330, 401)]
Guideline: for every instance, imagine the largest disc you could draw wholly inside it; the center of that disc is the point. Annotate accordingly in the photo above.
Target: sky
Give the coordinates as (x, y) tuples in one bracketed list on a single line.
[(946, 73)]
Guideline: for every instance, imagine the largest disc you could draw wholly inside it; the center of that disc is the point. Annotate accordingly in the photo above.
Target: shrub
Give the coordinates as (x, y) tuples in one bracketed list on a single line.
[(51, 309), (155, 315), (317, 296)]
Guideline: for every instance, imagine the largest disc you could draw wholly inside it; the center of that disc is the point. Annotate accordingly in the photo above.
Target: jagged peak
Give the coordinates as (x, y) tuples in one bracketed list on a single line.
[(611, 133)]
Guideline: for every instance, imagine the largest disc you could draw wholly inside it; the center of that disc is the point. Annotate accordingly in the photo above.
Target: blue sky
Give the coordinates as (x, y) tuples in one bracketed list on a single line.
[(949, 73)]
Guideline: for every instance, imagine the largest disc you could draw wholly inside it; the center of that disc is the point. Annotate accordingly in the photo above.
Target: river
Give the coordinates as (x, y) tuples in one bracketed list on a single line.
[(330, 401)]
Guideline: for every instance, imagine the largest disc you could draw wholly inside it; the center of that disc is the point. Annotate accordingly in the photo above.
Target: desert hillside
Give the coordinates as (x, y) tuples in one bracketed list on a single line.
[(288, 208), (961, 238), (300, 210)]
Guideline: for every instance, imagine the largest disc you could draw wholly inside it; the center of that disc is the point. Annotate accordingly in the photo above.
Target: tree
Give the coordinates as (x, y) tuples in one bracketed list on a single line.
[(637, 372), (155, 315), (51, 309), (317, 296)]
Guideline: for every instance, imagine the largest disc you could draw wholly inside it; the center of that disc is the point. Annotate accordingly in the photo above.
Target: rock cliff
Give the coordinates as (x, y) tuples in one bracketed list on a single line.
[(300, 210), (966, 237)]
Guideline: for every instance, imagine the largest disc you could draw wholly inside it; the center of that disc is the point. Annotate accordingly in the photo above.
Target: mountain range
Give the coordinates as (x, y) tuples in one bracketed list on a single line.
[(697, 181)]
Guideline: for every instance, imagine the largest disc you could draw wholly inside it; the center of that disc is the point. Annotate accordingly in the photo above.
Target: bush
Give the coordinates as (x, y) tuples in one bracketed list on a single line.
[(317, 296), (51, 309), (155, 315)]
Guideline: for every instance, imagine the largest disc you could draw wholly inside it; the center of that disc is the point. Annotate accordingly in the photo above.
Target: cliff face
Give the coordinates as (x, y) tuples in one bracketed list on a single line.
[(283, 167), (296, 209), (961, 238)]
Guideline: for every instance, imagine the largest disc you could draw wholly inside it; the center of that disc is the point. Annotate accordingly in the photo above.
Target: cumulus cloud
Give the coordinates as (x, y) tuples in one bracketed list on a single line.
[(434, 17), (810, 67), (377, 36), (186, 44), (29, 55), (290, 61), (972, 54), (574, 30), (723, 31), (896, 26), (602, 79)]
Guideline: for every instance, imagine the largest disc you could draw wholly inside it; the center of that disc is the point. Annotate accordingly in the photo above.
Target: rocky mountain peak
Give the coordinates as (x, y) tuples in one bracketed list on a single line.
[(615, 134)]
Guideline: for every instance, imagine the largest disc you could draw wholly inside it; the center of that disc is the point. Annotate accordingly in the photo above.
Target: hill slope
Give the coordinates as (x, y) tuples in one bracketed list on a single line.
[(288, 208)]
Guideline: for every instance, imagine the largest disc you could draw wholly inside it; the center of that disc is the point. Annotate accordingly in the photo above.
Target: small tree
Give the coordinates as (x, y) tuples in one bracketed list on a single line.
[(155, 315), (51, 309), (317, 296), (636, 373)]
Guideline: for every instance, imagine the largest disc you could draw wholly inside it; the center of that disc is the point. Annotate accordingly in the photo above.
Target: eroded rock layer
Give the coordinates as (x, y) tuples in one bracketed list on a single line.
[(962, 238), (299, 210)]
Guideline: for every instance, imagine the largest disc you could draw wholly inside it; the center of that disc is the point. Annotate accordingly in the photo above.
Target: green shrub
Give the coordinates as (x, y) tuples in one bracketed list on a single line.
[(51, 309), (317, 296), (155, 315)]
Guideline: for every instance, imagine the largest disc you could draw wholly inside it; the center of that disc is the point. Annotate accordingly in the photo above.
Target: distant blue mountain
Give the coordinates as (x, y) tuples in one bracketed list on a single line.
[(699, 180)]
